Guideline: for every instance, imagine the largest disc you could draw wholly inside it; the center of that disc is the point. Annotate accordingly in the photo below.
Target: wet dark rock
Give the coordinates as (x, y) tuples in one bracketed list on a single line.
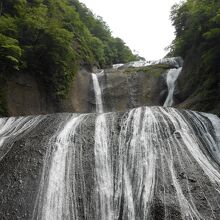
[(177, 134), (164, 170), (198, 87)]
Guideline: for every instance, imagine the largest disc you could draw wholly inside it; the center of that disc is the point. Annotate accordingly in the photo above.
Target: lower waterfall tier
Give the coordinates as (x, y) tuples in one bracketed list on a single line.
[(147, 163)]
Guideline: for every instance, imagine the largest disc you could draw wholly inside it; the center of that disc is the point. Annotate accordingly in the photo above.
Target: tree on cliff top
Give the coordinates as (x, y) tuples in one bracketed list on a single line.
[(197, 24), (52, 38)]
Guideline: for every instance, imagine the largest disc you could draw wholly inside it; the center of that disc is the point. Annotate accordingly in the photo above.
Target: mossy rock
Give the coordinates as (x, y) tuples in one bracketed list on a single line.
[(155, 70)]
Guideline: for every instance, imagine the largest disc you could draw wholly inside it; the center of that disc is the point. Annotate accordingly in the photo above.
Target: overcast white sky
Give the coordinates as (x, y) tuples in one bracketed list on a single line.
[(144, 25)]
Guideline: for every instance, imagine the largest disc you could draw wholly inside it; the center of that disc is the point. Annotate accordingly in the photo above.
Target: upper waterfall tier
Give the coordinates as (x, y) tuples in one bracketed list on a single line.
[(146, 163), (173, 61), (98, 93), (171, 78), (135, 84)]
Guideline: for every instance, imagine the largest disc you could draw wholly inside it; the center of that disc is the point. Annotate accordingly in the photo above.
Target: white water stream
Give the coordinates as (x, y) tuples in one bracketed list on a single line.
[(171, 78), (98, 93), (12, 128), (56, 196), (103, 165), (59, 198), (146, 163)]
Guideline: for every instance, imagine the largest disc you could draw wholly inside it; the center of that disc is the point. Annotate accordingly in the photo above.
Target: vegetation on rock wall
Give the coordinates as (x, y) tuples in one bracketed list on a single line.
[(197, 24), (154, 69), (52, 38)]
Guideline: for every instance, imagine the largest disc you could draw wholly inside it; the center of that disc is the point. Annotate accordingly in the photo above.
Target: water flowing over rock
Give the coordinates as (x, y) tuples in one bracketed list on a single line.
[(135, 84), (98, 93), (124, 86), (171, 78), (146, 163), (104, 175), (173, 61)]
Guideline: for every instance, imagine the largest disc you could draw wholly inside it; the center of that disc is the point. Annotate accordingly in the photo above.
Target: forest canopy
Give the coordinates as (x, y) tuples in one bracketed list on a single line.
[(197, 25), (53, 38)]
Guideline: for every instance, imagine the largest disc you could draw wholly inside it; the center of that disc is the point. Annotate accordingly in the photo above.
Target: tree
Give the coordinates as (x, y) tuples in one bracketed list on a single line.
[(52, 38)]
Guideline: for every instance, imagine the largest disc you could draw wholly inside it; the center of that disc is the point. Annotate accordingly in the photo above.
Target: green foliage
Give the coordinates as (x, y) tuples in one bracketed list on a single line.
[(115, 50), (10, 54), (156, 69), (197, 24), (52, 38)]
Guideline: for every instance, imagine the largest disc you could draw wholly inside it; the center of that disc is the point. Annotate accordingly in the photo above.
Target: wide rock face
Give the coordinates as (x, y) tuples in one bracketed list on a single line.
[(132, 87), (24, 94), (129, 86), (147, 163), (198, 87), (122, 91)]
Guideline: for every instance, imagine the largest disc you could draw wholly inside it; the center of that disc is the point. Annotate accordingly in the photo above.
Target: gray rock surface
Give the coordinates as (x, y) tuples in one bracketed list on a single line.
[(148, 163), (26, 95), (122, 89)]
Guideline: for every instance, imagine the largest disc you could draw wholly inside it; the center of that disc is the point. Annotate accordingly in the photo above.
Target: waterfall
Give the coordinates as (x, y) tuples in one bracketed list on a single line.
[(56, 197), (171, 78), (59, 201), (173, 61), (103, 169), (14, 128), (137, 163), (147, 163), (98, 93)]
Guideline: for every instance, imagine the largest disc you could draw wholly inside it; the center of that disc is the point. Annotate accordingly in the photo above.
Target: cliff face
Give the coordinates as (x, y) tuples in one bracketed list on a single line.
[(198, 88), (197, 40), (133, 87), (24, 94), (122, 89), (79, 93)]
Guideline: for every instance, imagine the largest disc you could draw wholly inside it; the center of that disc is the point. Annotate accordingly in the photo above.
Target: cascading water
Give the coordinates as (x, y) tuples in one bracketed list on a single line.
[(144, 164), (103, 168), (173, 61), (98, 93), (12, 128), (147, 163), (57, 195), (171, 78)]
